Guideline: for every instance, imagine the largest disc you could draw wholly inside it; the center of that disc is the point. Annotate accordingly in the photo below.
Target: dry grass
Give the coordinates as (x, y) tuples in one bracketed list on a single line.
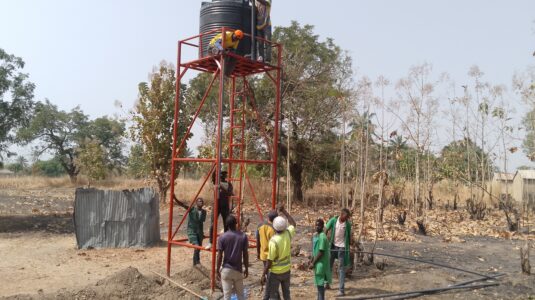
[(34, 182), (41, 182), (443, 192), (322, 192)]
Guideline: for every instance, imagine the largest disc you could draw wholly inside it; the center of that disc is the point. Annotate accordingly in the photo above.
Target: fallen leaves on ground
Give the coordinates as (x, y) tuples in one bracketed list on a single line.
[(453, 226)]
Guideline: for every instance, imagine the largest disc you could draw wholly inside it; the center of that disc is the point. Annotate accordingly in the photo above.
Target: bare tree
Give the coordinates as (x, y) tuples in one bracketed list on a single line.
[(415, 110), (382, 176), (502, 115), (454, 112), (361, 129), (484, 107)]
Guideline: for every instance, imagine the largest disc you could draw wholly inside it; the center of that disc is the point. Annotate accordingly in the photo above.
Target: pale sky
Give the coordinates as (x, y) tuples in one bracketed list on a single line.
[(92, 53)]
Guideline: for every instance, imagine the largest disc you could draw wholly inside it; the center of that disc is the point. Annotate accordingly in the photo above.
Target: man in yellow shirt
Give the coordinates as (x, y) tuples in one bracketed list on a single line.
[(277, 270), (263, 234), (232, 40)]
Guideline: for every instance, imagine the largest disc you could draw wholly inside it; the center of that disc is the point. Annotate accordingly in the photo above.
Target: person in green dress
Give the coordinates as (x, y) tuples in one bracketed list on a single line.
[(320, 260)]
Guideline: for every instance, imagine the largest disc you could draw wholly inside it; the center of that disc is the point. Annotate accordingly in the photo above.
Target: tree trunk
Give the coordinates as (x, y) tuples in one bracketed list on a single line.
[(163, 185), (483, 158), (417, 206), (355, 188), (288, 176), (296, 172), (357, 176), (364, 164), (73, 177), (343, 202), (73, 172), (380, 207), (68, 165), (162, 194), (296, 165)]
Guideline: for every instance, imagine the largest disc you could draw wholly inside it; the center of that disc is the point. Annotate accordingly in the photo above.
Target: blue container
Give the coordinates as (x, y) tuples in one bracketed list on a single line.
[(245, 293)]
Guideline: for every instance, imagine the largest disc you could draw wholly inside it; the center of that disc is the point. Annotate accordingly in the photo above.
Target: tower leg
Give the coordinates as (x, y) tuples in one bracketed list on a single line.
[(218, 168), (173, 162), (276, 128)]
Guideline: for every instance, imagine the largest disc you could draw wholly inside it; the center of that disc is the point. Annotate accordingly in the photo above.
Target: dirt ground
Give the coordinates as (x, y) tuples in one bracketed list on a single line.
[(39, 260)]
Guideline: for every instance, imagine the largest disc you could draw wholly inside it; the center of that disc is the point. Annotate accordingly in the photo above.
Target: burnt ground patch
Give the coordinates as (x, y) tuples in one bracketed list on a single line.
[(54, 223)]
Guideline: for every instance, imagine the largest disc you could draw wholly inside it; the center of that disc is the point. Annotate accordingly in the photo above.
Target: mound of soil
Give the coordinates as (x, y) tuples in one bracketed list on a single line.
[(196, 278), (125, 284)]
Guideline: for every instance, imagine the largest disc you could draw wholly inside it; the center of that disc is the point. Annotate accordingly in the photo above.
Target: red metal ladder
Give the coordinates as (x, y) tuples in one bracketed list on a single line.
[(237, 143)]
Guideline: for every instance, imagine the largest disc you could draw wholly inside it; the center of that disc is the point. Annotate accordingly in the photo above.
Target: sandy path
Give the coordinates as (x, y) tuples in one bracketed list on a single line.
[(36, 261)]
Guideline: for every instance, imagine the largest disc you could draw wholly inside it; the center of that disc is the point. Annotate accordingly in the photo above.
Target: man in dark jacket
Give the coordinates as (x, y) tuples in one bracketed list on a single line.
[(196, 218), (225, 191)]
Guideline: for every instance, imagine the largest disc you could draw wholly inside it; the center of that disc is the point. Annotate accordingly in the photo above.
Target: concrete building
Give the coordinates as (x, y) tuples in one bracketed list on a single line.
[(524, 187), (6, 173), (501, 184)]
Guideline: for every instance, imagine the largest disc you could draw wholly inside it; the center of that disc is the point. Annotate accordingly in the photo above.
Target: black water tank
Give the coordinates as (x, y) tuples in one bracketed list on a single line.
[(228, 13)]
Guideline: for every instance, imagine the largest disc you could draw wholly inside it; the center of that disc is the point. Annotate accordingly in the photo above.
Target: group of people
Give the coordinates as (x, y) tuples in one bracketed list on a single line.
[(330, 242), (231, 39)]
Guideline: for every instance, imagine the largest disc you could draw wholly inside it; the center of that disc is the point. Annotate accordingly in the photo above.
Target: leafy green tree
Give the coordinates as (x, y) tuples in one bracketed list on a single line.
[(325, 160), (529, 140), (92, 160), (455, 161), (524, 85), (153, 123), (16, 94), (58, 132), (20, 165), (397, 146), (50, 168), (64, 134), (15, 168), (404, 164), (361, 145), (109, 133), (137, 166), (194, 93), (313, 86), (21, 160), (361, 137)]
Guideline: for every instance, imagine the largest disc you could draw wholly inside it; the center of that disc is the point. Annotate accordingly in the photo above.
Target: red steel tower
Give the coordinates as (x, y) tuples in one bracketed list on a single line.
[(240, 98)]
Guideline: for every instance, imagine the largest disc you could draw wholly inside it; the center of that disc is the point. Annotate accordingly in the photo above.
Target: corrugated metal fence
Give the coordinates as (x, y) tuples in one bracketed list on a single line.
[(110, 219)]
